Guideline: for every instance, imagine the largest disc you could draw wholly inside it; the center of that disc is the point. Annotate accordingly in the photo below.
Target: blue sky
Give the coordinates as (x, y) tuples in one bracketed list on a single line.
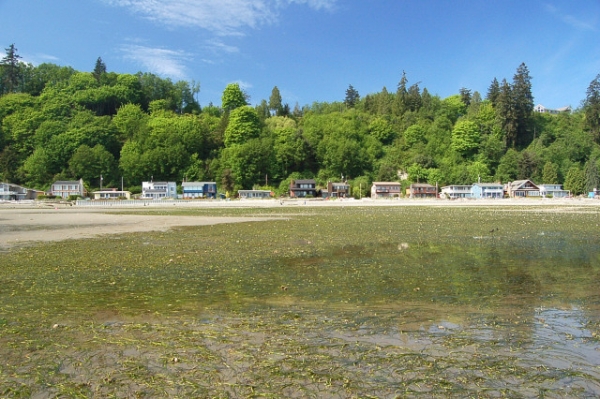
[(313, 49)]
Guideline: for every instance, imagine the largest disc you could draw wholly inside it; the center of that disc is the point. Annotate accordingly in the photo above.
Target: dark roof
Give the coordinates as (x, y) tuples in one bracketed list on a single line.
[(305, 181)]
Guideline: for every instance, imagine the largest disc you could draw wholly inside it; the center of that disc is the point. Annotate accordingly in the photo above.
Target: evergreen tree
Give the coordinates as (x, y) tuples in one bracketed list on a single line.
[(99, 69), (11, 70), (465, 96), (592, 109), (506, 113), (352, 97), (275, 102), (493, 92), (401, 94), (413, 98), (592, 179), (523, 105), (550, 173)]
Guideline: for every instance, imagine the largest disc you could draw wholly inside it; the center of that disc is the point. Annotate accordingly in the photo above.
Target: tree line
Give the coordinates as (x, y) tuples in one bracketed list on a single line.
[(57, 123)]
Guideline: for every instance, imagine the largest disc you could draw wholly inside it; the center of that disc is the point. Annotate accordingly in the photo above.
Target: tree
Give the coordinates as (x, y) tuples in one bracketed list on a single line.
[(550, 173), (275, 102), (99, 69), (352, 97), (243, 126), (465, 96), (592, 109), (233, 97), (505, 107), (592, 178), (575, 180), (465, 137), (89, 163), (493, 92), (11, 70), (523, 105)]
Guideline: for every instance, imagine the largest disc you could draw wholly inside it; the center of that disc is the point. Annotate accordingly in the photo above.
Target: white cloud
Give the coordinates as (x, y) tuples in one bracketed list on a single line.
[(575, 22), (158, 60), (220, 47), (222, 17)]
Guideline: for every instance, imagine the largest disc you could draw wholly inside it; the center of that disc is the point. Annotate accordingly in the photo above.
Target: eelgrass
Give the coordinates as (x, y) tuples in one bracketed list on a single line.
[(334, 303)]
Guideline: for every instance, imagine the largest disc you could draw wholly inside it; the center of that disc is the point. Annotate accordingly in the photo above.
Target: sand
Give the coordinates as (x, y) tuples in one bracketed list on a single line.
[(25, 223)]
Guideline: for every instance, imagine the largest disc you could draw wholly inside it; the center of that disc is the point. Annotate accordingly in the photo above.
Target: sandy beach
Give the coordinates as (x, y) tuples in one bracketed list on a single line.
[(29, 222)]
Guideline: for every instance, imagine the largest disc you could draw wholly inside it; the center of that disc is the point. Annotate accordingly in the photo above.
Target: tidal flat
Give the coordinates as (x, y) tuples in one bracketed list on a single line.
[(343, 302)]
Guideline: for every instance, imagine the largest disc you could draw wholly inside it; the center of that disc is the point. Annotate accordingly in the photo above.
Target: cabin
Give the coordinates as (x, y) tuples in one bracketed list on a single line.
[(199, 189), (421, 190), (336, 190), (159, 190), (254, 194), (522, 189), (303, 188), (67, 188)]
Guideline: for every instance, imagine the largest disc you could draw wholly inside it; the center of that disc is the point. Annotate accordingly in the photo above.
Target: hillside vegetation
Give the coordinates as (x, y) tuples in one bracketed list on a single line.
[(59, 123)]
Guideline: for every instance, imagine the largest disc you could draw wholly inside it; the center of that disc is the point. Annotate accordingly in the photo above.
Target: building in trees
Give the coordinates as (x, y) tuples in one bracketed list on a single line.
[(67, 188), (543, 110)]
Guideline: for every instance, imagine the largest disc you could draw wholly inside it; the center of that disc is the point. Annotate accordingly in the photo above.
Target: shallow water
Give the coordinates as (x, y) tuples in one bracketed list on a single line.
[(336, 303)]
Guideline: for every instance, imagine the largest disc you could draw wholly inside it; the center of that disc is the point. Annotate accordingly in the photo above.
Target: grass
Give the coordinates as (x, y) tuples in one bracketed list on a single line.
[(334, 303)]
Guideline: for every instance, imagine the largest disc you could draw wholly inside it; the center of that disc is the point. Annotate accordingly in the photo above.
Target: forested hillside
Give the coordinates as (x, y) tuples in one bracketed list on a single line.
[(59, 123)]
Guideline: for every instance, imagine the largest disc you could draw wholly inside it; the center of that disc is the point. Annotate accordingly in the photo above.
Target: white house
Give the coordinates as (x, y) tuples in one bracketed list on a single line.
[(553, 190), (66, 188), (254, 194), (543, 110), (13, 192), (457, 191), (159, 189), (113, 194)]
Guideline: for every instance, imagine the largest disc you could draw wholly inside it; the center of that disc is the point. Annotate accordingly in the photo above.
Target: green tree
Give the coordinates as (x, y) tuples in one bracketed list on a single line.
[(523, 105), (592, 177), (233, 97), (592, 109), (243, 126), (465, 137), (550, 173), (99, 69), (89, 163), (11, 70), (352, 97), (575, 180), (493, 92), (275, 104), (465, 96)]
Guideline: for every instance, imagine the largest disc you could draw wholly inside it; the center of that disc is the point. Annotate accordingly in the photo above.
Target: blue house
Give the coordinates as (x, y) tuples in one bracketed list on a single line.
[(199, 189), (487, 190)]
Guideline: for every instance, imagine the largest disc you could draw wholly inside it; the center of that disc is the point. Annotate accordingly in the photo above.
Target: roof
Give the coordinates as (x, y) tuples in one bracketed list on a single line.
[(386, 182), (67, 182), (518, 184), (421, 185), (196, 183), (301, 181)]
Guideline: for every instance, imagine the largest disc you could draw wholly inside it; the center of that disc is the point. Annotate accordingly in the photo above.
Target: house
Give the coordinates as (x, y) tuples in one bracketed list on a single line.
[(522, 188), (13, 192), (254, 194), (421, 190), (543, 110), (159, 189), (553, 190), (303, 188), (336, 190), (385, 189), (199, 189), (111, 194), (487, 190), (66, 188), (457, 191)]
